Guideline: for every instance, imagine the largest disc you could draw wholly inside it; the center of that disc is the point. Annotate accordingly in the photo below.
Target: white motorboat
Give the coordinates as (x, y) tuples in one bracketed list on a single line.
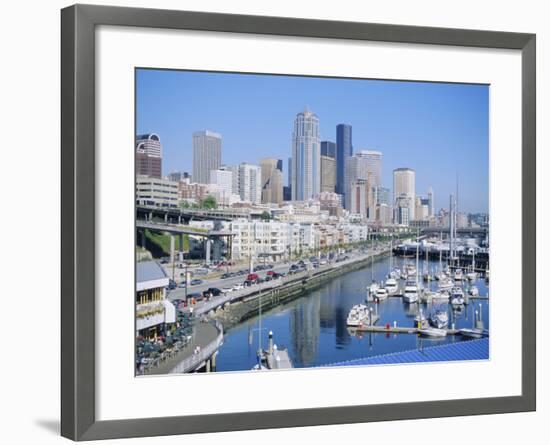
[(410, 293), (381, 293), (445, 284), (395, 273), (437, 295), (371, 290), (439, 319), (473, 291), (410, 271), (471, 332), (358, 315), (391, 286), (459, 276), (457, 296), (433, 332)]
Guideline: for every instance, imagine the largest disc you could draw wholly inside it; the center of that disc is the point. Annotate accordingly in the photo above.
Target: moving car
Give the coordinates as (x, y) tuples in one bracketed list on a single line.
[(196, 282)]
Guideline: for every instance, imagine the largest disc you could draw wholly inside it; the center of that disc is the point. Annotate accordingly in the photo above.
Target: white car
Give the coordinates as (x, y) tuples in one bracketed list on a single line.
[(225, 290), (238, 286)]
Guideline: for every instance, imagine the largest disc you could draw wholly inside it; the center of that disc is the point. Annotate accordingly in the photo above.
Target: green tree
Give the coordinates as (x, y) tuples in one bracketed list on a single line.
[(265, 216), (209, 203)]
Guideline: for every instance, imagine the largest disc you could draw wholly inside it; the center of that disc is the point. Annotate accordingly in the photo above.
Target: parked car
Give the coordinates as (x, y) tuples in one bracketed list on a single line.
[(226, 289), (270, 272), (172, 284), (252, 277), (225, 275), (196, 282), (238, 286), (214, 291)]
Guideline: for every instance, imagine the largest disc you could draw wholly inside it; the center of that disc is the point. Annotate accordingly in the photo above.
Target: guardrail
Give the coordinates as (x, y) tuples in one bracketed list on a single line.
[(191, 363)]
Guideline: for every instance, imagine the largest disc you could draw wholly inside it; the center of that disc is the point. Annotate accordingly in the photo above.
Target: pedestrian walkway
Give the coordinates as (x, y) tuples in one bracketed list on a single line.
[(203, 335)]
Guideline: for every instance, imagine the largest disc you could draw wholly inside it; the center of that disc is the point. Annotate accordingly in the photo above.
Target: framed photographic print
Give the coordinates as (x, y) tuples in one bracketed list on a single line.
[(295, 218)]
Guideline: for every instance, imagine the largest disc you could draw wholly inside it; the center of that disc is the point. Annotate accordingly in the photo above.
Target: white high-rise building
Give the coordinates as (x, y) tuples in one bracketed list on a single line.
[(306, 156), (250, 183), (223, 181), (374, 166), (404, 186), (207, 155)]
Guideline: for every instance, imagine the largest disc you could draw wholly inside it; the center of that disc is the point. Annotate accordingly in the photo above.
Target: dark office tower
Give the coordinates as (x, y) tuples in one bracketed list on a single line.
[(328, 149), (344, 149)]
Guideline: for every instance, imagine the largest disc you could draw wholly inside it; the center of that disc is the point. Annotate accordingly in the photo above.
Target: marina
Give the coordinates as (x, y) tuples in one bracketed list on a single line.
[(314, 330)]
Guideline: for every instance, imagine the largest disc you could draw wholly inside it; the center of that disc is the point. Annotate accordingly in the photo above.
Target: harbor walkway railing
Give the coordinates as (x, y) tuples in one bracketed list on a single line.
[(203, 354)]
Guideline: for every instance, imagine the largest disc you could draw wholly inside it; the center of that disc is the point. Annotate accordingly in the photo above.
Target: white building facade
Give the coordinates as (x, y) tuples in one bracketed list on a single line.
[(207, 155)]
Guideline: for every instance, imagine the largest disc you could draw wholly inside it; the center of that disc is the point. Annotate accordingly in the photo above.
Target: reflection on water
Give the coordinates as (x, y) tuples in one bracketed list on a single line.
[(313, 328)]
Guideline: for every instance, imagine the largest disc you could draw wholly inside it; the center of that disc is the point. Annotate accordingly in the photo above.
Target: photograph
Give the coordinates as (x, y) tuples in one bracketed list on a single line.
[(288, 221)]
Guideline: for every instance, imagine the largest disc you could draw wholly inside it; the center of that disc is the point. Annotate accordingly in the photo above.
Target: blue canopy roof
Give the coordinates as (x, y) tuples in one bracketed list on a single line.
[(462, 350)]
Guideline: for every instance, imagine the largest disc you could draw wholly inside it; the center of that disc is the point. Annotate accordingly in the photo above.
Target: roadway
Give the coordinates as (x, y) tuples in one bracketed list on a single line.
[(179, 293)]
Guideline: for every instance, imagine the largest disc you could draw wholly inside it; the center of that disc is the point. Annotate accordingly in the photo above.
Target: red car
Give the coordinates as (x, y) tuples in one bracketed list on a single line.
[(252, 277)]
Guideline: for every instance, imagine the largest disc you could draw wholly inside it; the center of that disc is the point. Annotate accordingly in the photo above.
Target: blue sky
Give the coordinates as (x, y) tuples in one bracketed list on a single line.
[(438, 129)]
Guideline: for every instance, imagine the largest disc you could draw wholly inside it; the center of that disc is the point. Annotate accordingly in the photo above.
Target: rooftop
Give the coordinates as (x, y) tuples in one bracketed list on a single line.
[(149, 271), (462, 350)]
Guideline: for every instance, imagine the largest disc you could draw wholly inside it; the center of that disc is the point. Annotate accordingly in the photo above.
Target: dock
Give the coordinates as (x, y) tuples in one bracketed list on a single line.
[(397, 329)]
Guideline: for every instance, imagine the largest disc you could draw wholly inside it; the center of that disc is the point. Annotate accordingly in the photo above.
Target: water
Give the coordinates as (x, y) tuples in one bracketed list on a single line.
[(313, 328)]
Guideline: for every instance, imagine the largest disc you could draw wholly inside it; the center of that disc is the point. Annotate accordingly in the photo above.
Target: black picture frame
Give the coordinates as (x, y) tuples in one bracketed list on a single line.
[(78, 23)]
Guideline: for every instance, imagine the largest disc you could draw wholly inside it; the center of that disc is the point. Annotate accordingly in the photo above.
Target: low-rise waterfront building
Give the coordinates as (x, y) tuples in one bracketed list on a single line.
[(154, 313)]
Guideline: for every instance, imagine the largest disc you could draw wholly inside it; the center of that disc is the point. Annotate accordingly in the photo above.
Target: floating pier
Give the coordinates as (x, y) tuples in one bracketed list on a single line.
[(398, 329)]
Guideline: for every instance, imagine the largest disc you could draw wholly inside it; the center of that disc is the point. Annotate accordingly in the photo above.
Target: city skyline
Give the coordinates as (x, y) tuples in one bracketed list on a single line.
[(466, 124)]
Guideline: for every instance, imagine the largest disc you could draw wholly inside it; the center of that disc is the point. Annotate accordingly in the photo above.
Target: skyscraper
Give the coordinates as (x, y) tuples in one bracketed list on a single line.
[(328, 174), (272, 180), (344, 149), (250, 183), (306, 156), (328, 148), (381, 195), (374, 166), (207, 154), (148, 155), (431, 204), (357, 168), (404, 187)]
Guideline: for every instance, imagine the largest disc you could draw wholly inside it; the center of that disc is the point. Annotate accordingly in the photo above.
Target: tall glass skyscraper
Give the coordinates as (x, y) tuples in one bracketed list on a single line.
[(306, 156), (344, 149)]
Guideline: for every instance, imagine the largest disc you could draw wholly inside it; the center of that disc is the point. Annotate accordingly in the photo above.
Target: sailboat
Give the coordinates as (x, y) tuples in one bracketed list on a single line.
[(472, 275), (373, 287), (411, 292), (391, 282)]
